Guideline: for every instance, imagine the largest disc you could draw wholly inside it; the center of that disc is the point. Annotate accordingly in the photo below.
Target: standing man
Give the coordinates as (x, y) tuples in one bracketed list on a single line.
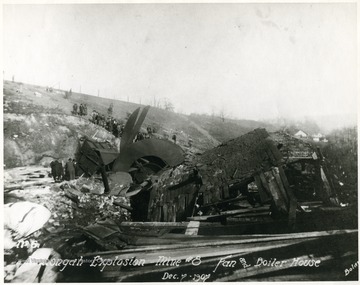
[(70, 168), (75, 109), (53, 169)]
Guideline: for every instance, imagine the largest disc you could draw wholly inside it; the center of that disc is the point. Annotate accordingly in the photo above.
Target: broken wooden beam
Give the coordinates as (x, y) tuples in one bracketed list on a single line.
[(192, 228), (230, 213), (224, 202)]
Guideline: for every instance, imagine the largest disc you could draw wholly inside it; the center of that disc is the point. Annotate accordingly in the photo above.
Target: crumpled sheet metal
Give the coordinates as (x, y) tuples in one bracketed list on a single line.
[(167, 151)]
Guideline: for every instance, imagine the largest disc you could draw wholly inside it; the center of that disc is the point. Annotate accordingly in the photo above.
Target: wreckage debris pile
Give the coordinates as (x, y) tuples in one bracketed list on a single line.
[(89, 205), (72, 206), (236, 161), (177, 190)]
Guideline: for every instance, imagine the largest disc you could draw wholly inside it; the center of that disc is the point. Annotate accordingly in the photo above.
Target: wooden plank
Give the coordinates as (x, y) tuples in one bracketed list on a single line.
[(229, 213), (221, 240), (264, 183), (292, 213), (284, 178), (326, 184), (292, 198), (170, 213), (264, 197), (224, 202), (281, 186), (155, 224), (226, 191), (165, 212), (264, 214), (274, 190), (100, 231), (173, 210), (192, 228), (158, 213)]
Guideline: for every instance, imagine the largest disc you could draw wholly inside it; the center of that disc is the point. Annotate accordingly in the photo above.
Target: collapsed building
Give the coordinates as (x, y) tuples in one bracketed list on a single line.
[(258, 177)]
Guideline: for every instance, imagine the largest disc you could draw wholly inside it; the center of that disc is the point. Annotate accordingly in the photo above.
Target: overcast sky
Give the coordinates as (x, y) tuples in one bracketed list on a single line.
[(255, 61)]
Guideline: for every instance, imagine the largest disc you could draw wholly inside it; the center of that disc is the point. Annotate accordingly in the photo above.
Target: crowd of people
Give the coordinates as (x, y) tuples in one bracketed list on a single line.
[(112, 125), (60, 172), (79, 110)]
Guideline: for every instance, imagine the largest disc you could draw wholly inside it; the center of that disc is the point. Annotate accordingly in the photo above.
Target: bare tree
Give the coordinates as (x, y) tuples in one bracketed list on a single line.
[(168, 106), (222, 114)]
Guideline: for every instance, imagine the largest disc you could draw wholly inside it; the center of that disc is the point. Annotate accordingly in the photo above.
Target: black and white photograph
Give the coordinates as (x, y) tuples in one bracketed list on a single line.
[(180, 142)]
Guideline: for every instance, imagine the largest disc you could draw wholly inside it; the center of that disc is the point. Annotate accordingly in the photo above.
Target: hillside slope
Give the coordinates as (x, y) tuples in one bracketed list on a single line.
[(39, 126)]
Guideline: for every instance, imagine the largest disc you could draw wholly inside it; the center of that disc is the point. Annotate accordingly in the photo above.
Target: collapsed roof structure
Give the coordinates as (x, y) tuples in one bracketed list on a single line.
[(252, 176)]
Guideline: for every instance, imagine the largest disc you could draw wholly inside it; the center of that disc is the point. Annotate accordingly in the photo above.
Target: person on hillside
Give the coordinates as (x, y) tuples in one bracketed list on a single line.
[(115, 129), (85, 109), (76, 167), (93, 117), (174, 138), (56, 170), (97, 118), (75, 109), (81, 110), (149, 131), (59, 171), (111, 125), (119, 130), (70, 169), (139, 137)]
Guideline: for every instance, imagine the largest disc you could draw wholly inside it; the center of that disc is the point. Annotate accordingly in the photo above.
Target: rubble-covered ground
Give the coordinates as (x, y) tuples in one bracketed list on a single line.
[(73, 205)]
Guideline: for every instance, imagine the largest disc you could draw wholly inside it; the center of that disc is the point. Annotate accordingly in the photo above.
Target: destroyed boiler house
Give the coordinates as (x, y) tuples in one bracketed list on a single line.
[(257, 179)]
